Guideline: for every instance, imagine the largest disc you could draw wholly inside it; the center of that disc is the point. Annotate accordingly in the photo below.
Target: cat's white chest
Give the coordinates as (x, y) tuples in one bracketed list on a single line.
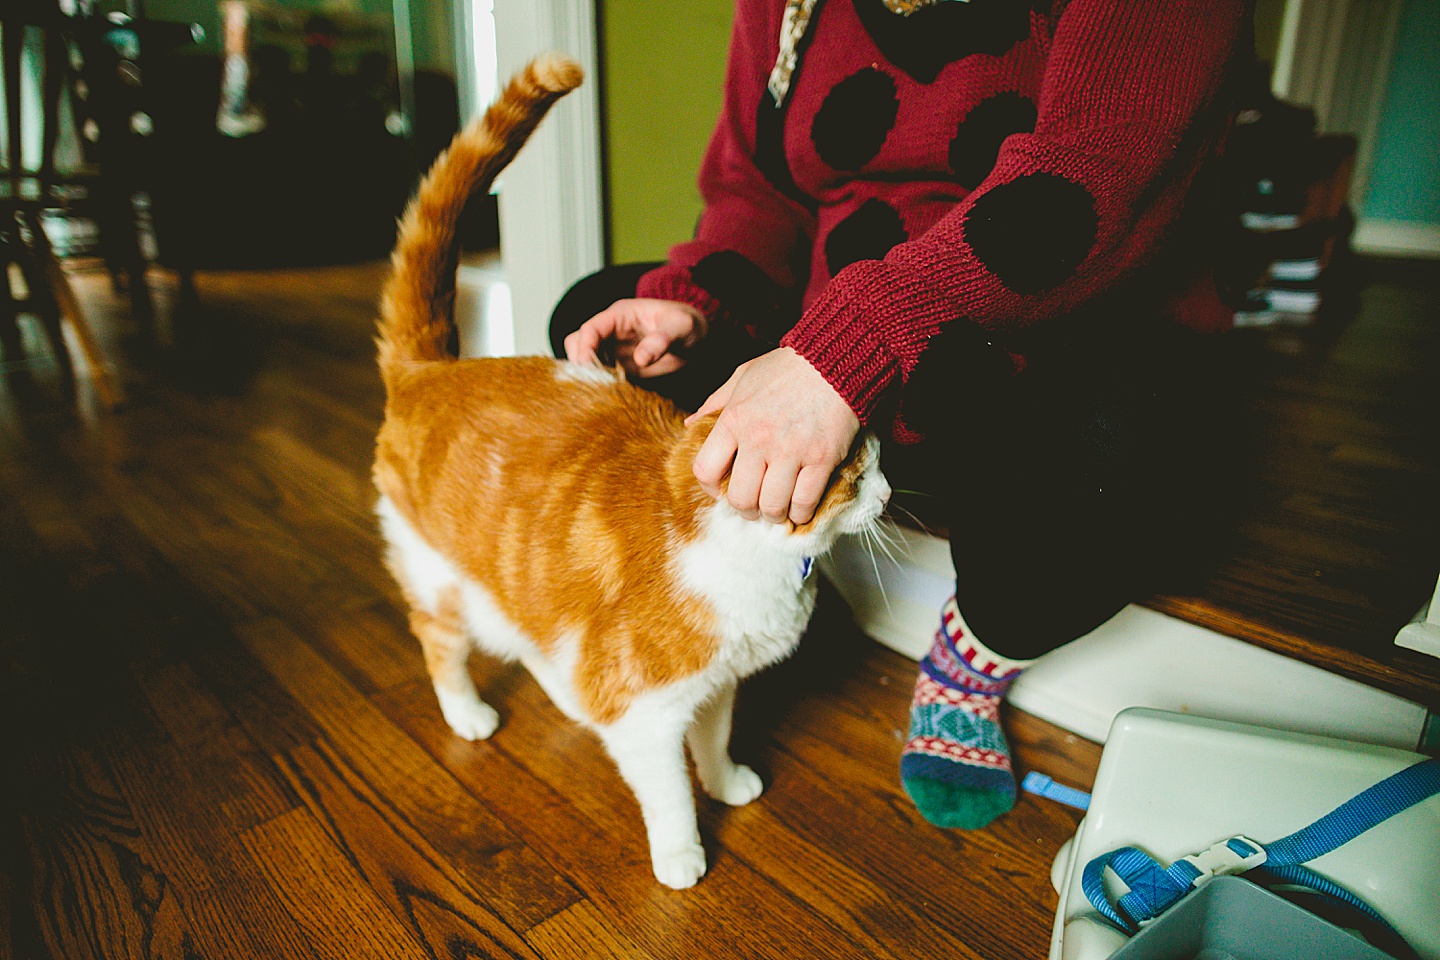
[(761, 597)]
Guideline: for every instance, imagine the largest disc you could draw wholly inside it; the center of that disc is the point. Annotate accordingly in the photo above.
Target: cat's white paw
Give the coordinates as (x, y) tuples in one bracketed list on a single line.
[(739, 788), (680, 868), (470, 717)]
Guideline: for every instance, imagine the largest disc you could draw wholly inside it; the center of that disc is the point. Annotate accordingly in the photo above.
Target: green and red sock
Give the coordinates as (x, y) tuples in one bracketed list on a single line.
[(956, 765)]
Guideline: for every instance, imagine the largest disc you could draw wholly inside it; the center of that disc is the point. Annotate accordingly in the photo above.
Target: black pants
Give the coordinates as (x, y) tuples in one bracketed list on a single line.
[(1090, 480)]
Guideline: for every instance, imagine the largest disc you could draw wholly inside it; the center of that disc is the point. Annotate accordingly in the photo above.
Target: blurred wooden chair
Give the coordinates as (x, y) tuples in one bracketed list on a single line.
[(45, 90)]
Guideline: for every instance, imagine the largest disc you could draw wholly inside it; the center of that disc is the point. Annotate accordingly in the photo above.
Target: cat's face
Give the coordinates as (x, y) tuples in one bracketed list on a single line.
[(854, 500)]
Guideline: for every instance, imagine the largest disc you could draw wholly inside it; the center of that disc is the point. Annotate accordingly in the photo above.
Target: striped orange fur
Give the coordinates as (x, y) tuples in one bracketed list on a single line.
[(547, 512)]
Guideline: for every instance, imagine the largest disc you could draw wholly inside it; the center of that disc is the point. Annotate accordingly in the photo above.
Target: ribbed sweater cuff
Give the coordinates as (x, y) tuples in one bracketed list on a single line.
[(848, 354), (673, 283)]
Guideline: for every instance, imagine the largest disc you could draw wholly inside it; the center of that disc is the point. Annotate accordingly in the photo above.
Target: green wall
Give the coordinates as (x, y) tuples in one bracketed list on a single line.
[(1269, 16), (1405, 173), (663, 66)]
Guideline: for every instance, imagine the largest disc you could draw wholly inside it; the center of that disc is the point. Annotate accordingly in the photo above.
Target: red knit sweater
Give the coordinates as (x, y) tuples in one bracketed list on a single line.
[(980, 165)]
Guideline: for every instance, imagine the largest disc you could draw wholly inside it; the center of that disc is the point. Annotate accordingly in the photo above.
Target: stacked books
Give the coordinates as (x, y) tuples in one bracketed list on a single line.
[(1291, 186)]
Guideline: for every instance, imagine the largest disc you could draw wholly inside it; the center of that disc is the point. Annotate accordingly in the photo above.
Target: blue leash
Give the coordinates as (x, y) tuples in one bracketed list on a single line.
[(1154, 889)]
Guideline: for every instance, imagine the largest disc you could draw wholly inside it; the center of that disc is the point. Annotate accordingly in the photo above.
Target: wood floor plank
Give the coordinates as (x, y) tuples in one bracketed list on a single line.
[(187, 805), (194, 797), (581, 932), (96, 884), (190, 713), (595, 835), (341, 915), (205, 660), (1337, 548), (372, 646), (197, 797), (520, 887), (830, 886), (418, 885), (232, 905), (910, 859), (152, 611), (97, 892)]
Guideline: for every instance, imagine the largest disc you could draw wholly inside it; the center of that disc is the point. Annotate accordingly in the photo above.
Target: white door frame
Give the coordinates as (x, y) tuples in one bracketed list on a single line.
[(1335, 57), (551, 202)]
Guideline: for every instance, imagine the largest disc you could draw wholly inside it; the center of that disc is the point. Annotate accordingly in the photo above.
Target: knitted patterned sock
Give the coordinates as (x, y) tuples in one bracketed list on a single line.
[(956, 765)]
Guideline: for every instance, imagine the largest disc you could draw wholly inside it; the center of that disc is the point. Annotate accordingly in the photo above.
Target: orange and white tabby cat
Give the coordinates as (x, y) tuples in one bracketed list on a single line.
[(546, 512)]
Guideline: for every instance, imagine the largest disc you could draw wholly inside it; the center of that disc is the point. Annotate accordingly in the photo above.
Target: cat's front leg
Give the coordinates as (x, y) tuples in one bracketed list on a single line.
[(709, 739), (647, 745)]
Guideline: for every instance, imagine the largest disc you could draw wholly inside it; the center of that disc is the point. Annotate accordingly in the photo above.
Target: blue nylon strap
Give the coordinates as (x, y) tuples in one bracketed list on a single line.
[(1154, 889), (1239, 847), (1356, 815), (1152, 895), (1092, 882)]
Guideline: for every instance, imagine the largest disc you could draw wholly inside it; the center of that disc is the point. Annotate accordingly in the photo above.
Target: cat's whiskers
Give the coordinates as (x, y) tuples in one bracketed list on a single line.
[(867, 535), (890, 543), (925, 528)]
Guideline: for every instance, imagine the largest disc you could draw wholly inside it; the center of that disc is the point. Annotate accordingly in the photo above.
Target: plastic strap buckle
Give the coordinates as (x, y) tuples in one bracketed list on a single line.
[(1226, 858)]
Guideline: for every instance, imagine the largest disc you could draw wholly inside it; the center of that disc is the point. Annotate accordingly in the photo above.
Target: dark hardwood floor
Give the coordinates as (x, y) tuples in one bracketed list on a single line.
[(220, 741), (1336, 541)]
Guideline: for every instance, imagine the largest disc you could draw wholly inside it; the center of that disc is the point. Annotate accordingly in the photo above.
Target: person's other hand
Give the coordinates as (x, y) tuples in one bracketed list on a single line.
[(782, 431), (650, 335)]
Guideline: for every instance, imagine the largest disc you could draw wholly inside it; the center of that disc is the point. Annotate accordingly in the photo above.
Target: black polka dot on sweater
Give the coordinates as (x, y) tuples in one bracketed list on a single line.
[(1032, 232), (852, 123), (747, 293), (979, 135), (924, 42), (867, 234), (770, 152)]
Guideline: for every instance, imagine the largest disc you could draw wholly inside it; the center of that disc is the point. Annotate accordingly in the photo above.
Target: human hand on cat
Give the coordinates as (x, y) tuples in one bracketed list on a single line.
[(646, 332), (782, 431)]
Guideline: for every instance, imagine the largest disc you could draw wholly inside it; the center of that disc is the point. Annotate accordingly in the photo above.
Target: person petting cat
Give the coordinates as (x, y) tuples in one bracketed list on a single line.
[(980, 229)]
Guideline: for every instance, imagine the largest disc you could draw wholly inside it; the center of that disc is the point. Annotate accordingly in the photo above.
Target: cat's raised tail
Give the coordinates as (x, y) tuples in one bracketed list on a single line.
[(417, 305)]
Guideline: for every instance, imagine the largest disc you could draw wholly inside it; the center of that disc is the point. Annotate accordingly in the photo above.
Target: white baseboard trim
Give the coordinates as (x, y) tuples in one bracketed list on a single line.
[(1422, 634), (1397, 238)]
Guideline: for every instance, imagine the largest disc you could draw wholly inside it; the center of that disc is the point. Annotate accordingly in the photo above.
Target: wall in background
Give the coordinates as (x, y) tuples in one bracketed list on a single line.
[(1405, 176), (663, 66), (432, 31), (1369, 67), (1269, 17)]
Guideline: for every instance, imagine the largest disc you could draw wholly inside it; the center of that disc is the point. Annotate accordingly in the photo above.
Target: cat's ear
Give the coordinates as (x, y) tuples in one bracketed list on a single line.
[(844, 484)]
